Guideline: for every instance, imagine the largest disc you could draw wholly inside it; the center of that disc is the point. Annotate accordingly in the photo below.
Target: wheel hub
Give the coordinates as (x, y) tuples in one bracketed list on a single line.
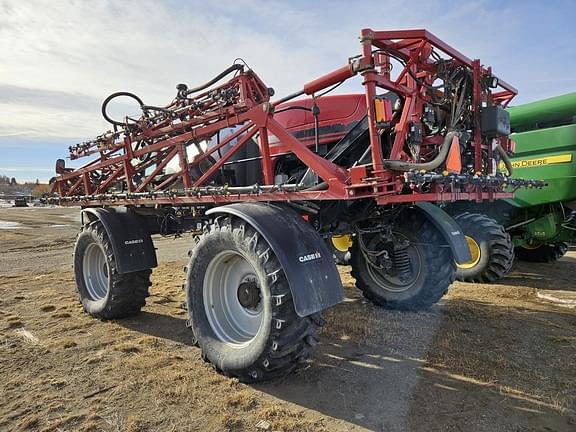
[(249, 295), (394, 272), (475, 253), (95, 270), (232, 299)]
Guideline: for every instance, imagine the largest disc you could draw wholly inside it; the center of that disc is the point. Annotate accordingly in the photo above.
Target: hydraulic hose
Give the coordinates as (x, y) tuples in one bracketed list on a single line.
[(505, 159), (181, 91), (217, 78), (400, 165), (113, 96)]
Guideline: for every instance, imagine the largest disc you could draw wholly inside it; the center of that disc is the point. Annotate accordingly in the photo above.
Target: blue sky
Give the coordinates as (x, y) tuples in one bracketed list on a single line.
[(60, 59)]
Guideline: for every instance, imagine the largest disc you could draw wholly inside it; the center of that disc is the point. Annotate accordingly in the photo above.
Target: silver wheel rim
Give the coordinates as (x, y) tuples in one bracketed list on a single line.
[(95, 269), (392, 283), (232, 322)]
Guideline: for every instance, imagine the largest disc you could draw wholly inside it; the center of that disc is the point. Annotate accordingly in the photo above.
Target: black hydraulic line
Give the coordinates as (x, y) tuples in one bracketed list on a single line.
[(300, 93), (401, 165), (316, 112), (334, 87), (289, 97), (181, 92), (217, 78), (294, 107), (113, 96)]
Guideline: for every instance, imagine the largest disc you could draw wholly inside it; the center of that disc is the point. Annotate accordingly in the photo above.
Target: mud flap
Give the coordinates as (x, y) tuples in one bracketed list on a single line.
[(449, 229), (307, 262), (131, 242)]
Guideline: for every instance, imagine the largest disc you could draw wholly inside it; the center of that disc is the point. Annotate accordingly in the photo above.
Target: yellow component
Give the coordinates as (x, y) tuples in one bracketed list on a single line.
[(380, 109), (342, 242), (474, 252), (531, 163)]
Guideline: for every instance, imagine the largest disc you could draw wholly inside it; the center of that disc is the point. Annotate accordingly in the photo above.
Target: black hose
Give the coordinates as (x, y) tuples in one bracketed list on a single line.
[(505, 159), (401, 165), (289, 97), (217, 78), (293, 107), (113, 96)]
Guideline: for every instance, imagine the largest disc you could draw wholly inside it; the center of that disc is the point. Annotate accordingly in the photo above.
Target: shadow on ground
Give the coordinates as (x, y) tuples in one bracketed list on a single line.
[(484, 362), (465, 362), (537, 275), (160, 326)]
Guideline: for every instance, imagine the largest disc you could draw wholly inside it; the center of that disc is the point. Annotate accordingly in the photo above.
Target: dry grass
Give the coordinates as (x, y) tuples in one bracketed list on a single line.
[(497, 348), (243, 399), (285, 420), (135, 424), (127, 348)]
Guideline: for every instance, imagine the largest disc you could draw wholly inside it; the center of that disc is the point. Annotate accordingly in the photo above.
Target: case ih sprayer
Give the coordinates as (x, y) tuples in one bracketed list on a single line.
[(262, 201)]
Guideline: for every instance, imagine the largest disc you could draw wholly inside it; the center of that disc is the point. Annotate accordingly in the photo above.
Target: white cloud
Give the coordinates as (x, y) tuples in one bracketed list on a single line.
[(72, 54), (18, 169)]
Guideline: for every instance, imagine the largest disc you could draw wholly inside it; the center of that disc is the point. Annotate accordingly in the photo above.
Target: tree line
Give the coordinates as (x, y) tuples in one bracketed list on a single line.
[(9, 185), (5, 180)]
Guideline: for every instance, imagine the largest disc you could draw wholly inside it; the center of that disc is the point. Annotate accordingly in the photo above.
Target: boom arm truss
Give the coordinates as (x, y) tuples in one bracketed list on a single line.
[(130, 167)]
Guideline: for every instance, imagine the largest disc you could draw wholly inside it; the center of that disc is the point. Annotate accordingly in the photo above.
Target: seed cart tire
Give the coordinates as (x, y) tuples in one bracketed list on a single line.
[(103, 292), (491, 248), (543, 254), (240, 305), (431, 260)]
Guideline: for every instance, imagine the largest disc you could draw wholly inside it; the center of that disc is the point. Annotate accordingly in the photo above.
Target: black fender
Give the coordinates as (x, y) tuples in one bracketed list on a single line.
[(131, 241), (307, 262), (449, 229)]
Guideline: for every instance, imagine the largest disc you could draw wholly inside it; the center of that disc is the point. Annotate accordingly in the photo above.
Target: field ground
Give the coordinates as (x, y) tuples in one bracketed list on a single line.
[(487, 358)]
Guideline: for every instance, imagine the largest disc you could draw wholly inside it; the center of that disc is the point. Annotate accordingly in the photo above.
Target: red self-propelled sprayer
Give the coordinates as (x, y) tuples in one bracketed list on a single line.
[(262, 200)]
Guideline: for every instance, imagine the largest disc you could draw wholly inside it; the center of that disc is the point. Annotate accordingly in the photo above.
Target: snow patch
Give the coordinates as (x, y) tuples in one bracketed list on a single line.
[(561, 298), (10, 225)]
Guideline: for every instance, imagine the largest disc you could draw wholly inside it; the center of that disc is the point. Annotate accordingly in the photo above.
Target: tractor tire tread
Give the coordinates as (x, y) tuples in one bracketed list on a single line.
[(501, 249), (438, 281), (127, 292), (286, 346)]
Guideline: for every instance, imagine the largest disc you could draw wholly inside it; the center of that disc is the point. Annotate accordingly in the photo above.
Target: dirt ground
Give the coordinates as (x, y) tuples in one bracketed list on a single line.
[(487, 358)]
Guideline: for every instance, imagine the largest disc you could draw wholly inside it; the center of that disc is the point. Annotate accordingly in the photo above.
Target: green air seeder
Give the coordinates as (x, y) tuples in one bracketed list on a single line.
[(538, 223), (545, 136)]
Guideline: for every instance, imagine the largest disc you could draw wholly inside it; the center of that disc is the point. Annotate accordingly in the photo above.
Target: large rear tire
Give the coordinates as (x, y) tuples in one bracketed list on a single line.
[(543, 254), (240, 306), (491, 249), (103, 292), (422, 270)]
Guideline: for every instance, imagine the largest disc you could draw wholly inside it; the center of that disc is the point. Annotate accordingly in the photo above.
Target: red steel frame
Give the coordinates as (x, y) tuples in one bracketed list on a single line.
[(155, 140)]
